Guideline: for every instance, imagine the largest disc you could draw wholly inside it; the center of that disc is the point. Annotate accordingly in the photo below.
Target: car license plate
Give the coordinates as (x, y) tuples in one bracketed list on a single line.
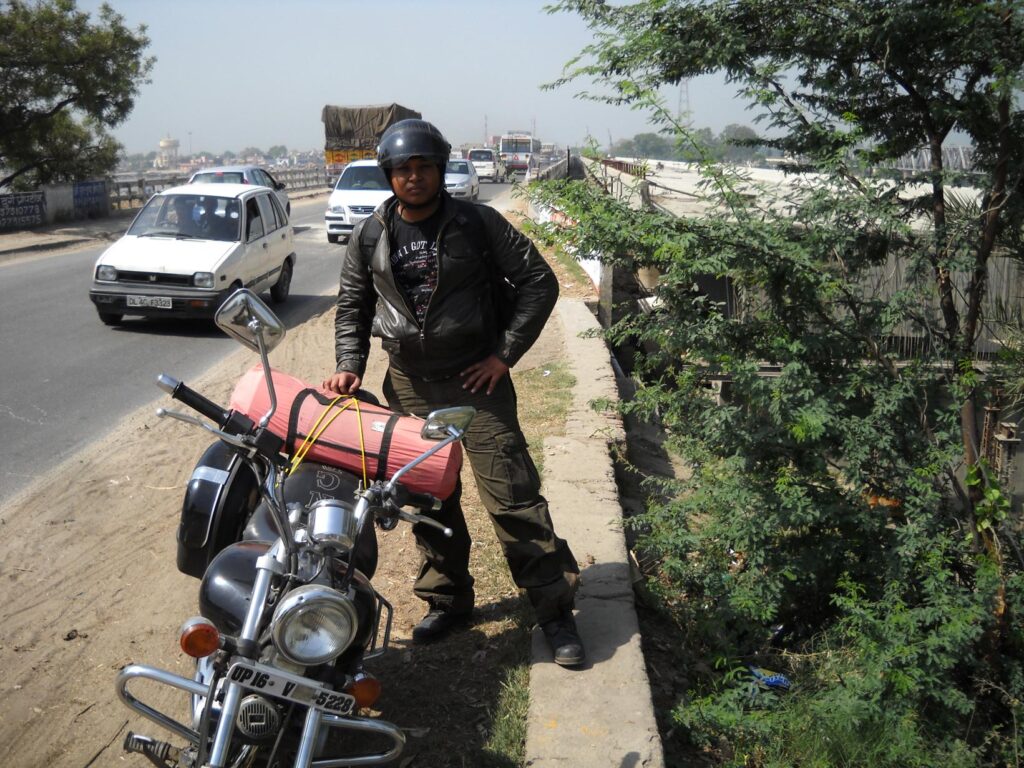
[(157, 302), (274, 682)]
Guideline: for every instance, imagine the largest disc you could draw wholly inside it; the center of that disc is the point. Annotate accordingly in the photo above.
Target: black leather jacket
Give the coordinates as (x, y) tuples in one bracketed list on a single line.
[(461, 326)]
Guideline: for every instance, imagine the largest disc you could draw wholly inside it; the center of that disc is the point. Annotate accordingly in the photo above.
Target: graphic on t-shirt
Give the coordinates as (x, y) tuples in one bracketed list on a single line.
[(414, 265)]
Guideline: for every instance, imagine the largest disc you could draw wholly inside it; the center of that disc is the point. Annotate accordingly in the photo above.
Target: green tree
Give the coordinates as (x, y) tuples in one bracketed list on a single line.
[(66, 80), (278, 150), (739, 143), (697, 145), (838, 490), (653, 146)]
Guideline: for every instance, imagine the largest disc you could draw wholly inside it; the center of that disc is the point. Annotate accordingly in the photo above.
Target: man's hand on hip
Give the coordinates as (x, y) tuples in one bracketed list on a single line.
[(487, 373), (343, 383)]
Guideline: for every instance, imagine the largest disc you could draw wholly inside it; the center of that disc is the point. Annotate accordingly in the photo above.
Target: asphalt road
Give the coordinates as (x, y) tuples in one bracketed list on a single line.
[(67, 379)]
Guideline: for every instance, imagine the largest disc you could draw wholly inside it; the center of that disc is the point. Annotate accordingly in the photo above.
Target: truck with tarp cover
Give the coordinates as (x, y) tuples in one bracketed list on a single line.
[(352, 133)]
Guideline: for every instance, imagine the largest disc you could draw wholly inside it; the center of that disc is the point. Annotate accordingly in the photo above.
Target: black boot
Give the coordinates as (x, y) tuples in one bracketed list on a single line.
[(437, 623), (564, 640)]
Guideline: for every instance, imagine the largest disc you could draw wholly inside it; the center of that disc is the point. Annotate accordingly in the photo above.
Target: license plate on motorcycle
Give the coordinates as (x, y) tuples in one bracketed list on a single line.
[(283, 685), (158, 302)]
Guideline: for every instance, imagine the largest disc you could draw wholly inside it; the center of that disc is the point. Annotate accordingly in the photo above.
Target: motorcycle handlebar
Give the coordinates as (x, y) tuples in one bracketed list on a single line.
[(402, 496), (185, 394)]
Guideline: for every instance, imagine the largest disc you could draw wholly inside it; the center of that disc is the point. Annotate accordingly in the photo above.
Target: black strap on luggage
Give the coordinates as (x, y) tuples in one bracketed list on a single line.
[(294, 436)]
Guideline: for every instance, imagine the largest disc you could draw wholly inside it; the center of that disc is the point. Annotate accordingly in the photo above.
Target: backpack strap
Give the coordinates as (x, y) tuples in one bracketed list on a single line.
[(368, 237)]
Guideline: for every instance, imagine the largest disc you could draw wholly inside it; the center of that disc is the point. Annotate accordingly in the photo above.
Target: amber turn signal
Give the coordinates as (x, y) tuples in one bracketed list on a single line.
[(365, 689), (199, 637)]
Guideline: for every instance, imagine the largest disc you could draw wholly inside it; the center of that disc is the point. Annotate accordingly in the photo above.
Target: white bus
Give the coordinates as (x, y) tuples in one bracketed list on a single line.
[(516, 149)]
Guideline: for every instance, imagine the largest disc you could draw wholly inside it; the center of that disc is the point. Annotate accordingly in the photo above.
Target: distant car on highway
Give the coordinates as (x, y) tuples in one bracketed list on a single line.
[(243, 174), (488, 164), (460, 179), (361, 187), (190, 247)]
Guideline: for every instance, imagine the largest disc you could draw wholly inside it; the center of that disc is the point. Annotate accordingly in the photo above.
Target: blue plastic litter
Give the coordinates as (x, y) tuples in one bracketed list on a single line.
[(766, 678)]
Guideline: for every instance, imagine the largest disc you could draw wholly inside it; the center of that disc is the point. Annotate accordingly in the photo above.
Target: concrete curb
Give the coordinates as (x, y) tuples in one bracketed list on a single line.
[(599, 715), (47, 245)]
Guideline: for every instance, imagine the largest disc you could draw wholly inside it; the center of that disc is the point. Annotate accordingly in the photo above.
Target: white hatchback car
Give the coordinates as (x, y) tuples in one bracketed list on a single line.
[(190, 247), (361, 187)]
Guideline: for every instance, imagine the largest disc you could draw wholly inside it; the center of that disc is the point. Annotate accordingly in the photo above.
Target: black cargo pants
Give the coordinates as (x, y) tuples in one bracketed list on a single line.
[(509, 485)]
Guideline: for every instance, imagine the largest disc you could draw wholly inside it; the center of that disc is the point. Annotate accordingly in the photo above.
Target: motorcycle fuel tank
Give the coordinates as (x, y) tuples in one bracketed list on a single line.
[(309, 483)]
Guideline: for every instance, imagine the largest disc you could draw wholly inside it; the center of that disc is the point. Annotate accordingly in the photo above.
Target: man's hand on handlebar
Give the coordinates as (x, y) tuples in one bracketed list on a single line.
[(343, 383)]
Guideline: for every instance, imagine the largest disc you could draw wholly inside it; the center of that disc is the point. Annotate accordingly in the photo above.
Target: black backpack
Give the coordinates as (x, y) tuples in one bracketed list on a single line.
[(505, 292)]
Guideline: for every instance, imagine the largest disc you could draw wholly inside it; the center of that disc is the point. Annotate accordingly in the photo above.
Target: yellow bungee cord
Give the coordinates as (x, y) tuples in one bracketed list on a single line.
[(318, 430)]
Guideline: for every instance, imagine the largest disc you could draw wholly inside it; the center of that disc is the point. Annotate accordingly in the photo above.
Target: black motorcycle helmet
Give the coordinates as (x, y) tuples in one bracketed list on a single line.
[(412, 138)]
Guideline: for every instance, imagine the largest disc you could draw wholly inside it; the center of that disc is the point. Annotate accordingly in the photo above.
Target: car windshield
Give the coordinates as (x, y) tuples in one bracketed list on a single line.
[(363, 177), (457, 166), (219, 177), (482, 154), (201, 217)]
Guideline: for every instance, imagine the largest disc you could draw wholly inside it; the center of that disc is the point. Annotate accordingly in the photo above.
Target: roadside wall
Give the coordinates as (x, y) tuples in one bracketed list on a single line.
[(55, 203)]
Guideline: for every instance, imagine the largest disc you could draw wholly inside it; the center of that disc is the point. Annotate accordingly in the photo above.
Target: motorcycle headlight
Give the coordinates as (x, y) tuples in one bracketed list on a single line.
[(313, 625)]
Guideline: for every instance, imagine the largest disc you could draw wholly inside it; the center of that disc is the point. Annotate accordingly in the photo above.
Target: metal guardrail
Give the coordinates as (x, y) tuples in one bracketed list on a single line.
[(639, 170), (128, 193)]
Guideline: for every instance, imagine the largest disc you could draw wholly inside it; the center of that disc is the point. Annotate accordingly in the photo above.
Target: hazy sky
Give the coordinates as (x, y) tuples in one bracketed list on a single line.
[(230, 75)]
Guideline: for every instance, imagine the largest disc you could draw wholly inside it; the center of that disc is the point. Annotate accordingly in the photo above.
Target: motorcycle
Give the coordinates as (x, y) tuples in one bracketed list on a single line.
[(289, 614)]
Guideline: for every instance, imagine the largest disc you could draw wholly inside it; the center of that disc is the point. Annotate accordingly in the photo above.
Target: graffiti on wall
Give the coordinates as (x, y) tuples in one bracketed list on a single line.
[(21, 210), (90, 198)]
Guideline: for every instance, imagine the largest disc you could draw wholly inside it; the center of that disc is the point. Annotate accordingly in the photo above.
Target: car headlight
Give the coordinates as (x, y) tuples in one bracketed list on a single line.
[(336, 209), (203, 279), (313, 625), (106, 273)]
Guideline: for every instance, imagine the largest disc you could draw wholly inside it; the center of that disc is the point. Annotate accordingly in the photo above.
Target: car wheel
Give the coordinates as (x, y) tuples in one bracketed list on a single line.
[(279, 291), (332, 238), (110, 318), (288, 210)]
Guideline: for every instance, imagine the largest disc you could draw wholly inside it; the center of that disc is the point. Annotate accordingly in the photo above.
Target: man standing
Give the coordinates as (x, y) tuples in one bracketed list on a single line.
[(424, 274)]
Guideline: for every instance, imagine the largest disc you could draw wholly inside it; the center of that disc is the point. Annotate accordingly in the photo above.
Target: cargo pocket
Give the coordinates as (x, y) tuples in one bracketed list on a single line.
[(515, 467)]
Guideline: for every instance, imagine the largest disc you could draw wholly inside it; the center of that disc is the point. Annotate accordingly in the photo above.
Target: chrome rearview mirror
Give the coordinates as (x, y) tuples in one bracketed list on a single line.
[(245, 318), (441, 421)]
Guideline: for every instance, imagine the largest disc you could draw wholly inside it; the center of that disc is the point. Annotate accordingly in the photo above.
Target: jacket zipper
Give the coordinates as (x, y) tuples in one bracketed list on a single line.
[(437, 284), (399, 293)]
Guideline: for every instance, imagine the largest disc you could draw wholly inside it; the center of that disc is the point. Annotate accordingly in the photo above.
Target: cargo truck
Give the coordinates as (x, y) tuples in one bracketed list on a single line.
[(352, 133), (350, 152)]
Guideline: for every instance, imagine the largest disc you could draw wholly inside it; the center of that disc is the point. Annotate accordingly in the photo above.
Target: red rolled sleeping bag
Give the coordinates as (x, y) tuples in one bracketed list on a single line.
[(390, 440)]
